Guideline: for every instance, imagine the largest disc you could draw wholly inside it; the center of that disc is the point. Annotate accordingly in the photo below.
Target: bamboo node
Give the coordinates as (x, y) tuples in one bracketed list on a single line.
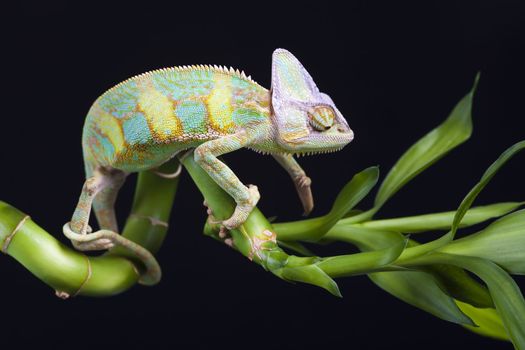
[(9, 238), (88, 276)]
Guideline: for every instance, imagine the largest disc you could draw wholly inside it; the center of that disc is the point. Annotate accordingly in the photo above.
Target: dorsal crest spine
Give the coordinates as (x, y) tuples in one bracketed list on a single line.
[(198, 67)]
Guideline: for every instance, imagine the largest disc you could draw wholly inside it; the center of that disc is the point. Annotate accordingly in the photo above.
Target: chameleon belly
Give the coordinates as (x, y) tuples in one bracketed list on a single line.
[(143, 121)]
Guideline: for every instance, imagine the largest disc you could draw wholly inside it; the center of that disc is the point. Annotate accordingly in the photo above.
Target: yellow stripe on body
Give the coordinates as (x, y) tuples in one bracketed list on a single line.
[(219, 104), (110, 127), (158, 109)]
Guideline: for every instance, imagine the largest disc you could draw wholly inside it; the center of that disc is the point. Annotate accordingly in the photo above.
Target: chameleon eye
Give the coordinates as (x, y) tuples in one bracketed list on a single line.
[(321, 118)]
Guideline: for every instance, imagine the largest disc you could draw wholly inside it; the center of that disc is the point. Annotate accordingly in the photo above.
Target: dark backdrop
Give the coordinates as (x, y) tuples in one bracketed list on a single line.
[(394, 69)]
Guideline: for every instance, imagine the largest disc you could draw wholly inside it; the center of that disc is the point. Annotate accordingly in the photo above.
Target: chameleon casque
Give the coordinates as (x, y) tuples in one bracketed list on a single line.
[(146, 120)]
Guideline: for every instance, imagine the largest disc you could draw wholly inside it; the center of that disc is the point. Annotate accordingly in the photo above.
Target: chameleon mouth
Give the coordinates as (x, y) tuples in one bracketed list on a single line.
[(311, 153), (301, 153)]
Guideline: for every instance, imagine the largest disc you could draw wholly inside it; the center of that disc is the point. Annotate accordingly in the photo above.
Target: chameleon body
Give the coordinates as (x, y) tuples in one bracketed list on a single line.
[(146, 120)]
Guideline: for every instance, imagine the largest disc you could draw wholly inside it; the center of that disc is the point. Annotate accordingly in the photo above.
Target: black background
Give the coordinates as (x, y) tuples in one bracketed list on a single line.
[(395, 70)]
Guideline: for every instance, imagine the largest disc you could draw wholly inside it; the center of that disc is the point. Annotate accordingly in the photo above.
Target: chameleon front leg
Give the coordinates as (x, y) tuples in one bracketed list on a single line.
[(104, 185), (206, 156), (301, 181)]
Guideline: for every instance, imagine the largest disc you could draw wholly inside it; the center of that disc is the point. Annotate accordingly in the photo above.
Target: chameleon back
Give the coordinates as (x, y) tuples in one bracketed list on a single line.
[(143, 121)]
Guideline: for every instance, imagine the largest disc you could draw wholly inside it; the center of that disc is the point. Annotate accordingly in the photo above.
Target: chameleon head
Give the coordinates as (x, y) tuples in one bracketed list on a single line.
[(306, 120)]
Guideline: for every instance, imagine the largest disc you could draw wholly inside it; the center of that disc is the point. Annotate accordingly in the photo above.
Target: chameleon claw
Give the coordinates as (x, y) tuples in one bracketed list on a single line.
[(229, 242), (62, 295), (223, 232)]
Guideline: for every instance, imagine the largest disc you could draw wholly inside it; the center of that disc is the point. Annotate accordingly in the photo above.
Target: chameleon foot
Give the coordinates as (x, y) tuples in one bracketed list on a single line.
[(105, 239), (243, 209)]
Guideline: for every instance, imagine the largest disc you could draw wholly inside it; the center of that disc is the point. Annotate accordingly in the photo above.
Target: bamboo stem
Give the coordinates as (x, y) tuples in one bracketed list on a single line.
[(70, 272)]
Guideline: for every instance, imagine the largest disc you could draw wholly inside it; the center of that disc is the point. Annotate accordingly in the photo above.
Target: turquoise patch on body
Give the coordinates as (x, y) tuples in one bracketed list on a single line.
[(121, 101), (181, 85), (243, 116), (136, 129), (192, 115), (107, 148)]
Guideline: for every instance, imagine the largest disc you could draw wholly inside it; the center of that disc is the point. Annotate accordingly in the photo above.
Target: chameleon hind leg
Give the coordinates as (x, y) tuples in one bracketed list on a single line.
[(100, 192), (206, 156)]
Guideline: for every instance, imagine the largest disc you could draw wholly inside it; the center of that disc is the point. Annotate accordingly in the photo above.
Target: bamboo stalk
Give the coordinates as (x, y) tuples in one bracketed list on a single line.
[(70, 272)]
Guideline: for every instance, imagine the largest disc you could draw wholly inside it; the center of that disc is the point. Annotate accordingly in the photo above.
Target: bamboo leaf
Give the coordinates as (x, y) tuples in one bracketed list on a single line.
[(485, 179), (502, 242), (456, 129), (365, 239), (311, 230), (506, 294), (488, 322), (354, 192), (442, 221), (460, 285), (359, 263), (311, 274), (465, 205), (421, 290)]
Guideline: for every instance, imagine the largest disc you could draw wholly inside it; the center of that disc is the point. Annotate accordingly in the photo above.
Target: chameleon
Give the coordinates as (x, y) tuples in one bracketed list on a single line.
[(144, 121)]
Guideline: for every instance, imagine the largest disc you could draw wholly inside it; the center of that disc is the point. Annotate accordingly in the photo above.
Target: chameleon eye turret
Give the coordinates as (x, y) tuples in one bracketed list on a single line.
[(321, 117), (144, 121)]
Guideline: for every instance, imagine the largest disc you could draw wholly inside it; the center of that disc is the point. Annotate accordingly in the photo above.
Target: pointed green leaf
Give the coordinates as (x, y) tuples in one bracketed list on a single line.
[(460, 285), (456, 129), (354, 192), (312, 230), (311, 274), (502, 242), (421, 290), (464, 206), (442, 221), (488, 323), (359, 263), (365, 239), (506, 294), (485, 179)]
